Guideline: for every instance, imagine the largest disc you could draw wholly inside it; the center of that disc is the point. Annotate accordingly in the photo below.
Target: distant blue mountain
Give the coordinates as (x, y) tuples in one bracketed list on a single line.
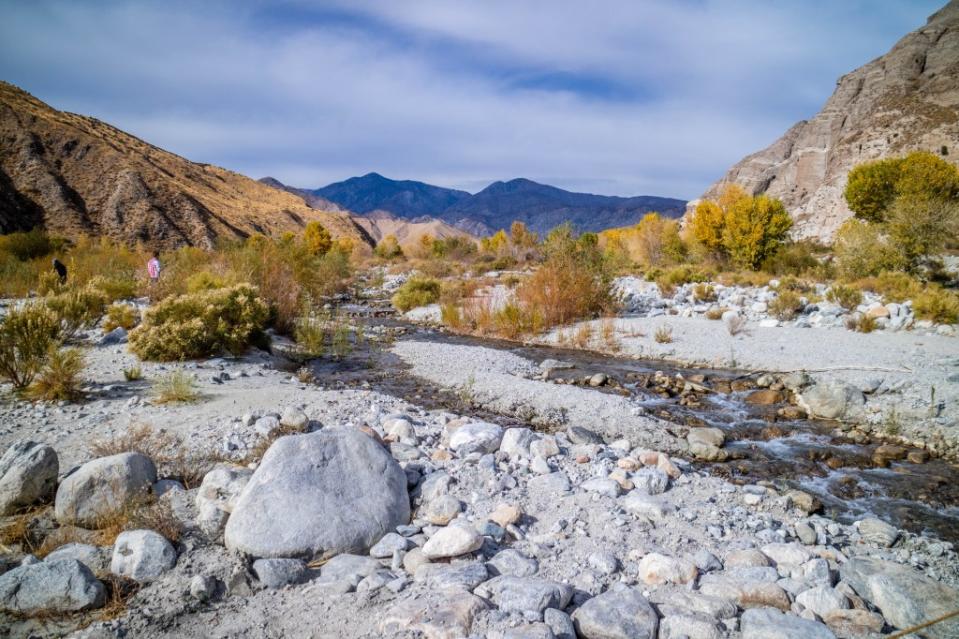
[(541, 207)]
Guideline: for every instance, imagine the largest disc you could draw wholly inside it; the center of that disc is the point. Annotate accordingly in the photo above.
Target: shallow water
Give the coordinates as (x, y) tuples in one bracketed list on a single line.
[(763, 446)]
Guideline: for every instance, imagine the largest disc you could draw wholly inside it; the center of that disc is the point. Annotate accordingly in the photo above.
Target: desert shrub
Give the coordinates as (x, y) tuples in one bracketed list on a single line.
[(848, 297), (204, 281), (340, 344), (28, 245), (715, 313), (866, 324), (416, 291), (452, 248), (317, 239), (123, 316), (511, 321), (451, 316), (200, 324), (176, 386), (114, 288), (663, 334), (668, 280), (310, 336), (790, 283), (862, 251), (755, 228), (90, 258), (564, 290), (873, 187), (937, 305), (793, 258), (48, 283), (893, 286), (59, 379), (743, 278), (133, 373), (707, 223), (389, 248), (786, 305), (704, 293), (26, 336), (736, 324), (919, 228), (77, 309)]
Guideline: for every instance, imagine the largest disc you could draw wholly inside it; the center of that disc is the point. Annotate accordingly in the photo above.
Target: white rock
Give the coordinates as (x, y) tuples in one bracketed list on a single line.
[(141, 555), (482, 437), (452, 541)]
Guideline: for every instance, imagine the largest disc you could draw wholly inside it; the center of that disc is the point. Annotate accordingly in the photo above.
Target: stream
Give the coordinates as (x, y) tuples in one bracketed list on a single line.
[(762, 445)]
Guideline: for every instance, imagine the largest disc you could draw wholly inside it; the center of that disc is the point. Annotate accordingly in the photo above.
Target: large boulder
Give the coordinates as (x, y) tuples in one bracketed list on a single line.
[(96, 558), (832, 400), (142, 555), (905, 596), (56, 586), (617, 614), (102, 488), (317, 495), (28, 474), (217, 496)]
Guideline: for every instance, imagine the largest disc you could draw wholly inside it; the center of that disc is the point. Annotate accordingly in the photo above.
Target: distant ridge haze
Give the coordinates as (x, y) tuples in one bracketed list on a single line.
[(541, 207)]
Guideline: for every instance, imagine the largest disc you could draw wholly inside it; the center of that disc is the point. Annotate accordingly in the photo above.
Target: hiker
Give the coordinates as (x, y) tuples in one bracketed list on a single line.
[(61, 270), (153, 268)]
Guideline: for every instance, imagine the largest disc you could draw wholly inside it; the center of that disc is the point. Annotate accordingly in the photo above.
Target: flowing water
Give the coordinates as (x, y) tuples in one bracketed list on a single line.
[(763, 446)]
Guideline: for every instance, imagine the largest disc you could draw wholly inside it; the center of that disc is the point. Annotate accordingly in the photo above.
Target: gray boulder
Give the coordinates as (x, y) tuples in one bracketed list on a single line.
[(56, 586), (769, 623), (217, 496), (96, 558), (831, 400), (617, 614), (905, 596), (318, 495), (481, 437), (142, 555), (103, 487), (276, 573), (525, 594), (28, 474)]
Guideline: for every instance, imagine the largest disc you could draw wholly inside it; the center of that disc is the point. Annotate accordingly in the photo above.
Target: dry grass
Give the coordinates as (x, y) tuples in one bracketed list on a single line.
[(704, 293), (714, 314), (664, 335), (173, 459), (608, 334), (582, 336), (22, 530), (59, 380), (133, 374), (255, 453), (847, 297), (123, 316), (119, 592), (786, 305), (177, 386)]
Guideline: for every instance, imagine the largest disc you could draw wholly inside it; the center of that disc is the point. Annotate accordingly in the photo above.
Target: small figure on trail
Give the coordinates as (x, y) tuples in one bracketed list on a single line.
[(153, 268), (61, 270)]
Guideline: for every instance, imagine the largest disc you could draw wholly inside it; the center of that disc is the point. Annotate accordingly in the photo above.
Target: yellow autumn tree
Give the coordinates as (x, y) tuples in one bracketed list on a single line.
[(753, 229), (317, 239)]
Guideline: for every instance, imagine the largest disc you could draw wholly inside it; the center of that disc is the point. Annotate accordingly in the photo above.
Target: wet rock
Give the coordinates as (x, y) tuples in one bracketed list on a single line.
[(599, 379), (580, 435), (56, 586), (141, 555), (766, 623), (803, 501), (276, 573), (876, 531), (831, 400), (321, 494), (442, 615), (28, 475), (617, 614), (525, 594), (101, 488), (888, 453), (764, 397), (476, 437), (904, 595), (217, 496), (452, 541)]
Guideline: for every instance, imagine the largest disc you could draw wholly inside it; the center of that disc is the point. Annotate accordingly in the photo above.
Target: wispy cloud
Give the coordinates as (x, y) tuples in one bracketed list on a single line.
[(616, 97)]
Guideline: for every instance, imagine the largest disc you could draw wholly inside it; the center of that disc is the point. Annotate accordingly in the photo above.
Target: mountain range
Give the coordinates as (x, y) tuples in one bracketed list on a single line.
[(539, 206), (75, 175), (905, 100)]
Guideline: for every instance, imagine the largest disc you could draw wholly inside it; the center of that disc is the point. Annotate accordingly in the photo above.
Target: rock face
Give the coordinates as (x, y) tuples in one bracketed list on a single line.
[(101, 487), (56, 586), (905, 596), (28, 474), (318, 495), (906, 100), (75, 175)]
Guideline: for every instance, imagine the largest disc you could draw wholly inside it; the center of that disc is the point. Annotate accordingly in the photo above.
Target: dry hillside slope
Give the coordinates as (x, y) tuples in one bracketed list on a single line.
[(906, 100), (75, 175)]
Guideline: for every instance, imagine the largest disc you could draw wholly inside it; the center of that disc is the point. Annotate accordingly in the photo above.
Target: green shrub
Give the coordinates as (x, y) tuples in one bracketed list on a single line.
[(115, 288), (938, 305), (77, 309), (863, 251), (59, 380), (310, 336), (793, 258), (133, 374), (26, 336), (845, 296), (204, 281), (123, 316), (48, 283), (893, 286), (416, 291), (668, 280), (29, 245), (786, 305), (704, 293), (200, 324)]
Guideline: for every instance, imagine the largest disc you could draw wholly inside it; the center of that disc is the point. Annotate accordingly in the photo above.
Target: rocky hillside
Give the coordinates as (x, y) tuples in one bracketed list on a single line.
[(379, 224), (906, 100), (75, 175), (540, 206)]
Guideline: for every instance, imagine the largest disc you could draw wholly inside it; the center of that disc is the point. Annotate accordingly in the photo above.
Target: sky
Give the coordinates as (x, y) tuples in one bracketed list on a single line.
[(635, 97)]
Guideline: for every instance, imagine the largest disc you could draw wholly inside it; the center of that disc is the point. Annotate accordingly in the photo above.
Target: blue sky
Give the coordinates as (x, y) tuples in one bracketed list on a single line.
[(632, 97)]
